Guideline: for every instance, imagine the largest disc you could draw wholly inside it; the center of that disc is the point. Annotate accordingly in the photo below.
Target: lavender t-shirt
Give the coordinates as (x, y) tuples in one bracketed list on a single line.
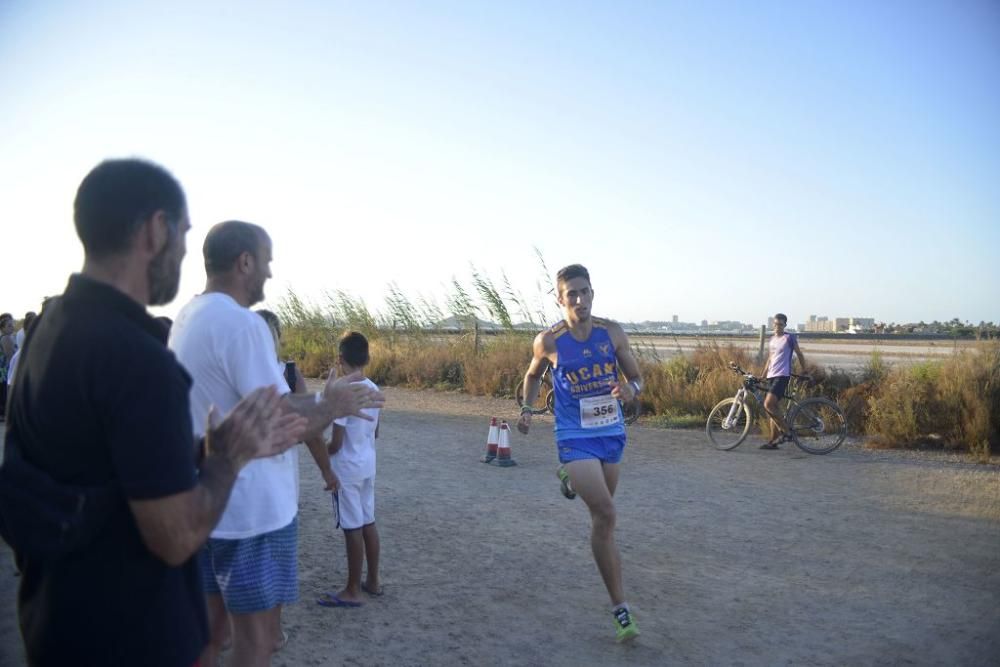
[(781, 348)]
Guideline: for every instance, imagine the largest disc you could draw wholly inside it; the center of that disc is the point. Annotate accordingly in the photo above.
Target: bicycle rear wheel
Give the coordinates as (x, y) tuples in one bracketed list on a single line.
[(630, 411), (728, 438), (818, 425), (541, 404)]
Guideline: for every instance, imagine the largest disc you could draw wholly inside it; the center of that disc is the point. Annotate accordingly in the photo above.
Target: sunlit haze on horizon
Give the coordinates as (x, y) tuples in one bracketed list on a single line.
[(713, 160)]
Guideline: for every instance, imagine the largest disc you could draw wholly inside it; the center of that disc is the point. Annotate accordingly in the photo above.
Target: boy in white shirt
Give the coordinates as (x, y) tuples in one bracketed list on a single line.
[(352, 456)]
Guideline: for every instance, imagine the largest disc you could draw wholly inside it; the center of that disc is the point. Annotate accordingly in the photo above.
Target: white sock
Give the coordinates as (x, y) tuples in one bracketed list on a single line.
[(623, 605)]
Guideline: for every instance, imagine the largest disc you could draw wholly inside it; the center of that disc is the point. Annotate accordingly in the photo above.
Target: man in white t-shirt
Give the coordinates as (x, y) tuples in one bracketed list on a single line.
[(249, 565)]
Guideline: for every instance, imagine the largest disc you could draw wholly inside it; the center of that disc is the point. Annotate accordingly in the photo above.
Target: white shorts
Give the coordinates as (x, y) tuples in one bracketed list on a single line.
[(354, 504)]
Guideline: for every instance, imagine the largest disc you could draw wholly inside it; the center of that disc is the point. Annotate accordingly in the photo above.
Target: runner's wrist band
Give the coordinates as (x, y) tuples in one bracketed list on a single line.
[(635, 387)]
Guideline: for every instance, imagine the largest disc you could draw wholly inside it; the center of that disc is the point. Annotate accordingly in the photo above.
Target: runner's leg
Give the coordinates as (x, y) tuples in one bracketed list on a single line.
[(591, 484)]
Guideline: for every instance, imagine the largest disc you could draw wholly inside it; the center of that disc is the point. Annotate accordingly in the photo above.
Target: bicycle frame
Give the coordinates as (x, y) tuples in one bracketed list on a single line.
[(752, 387), (738, 400)]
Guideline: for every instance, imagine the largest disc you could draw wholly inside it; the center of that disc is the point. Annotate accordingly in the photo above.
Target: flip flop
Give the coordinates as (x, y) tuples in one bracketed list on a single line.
[(378, 592), (769, 445), (331, 600)]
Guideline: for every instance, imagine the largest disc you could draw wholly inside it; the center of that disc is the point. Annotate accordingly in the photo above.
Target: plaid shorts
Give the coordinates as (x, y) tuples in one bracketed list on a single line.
[(253, 574)]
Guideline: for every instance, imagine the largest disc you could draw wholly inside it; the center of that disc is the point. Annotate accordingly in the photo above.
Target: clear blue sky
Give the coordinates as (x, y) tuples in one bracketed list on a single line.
[(713, 160)]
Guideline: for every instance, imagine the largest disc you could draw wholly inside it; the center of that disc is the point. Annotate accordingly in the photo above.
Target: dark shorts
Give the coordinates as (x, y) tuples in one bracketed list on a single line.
[(778, 386)]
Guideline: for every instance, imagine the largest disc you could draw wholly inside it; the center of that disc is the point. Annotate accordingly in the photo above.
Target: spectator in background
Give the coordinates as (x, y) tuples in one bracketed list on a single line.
[(7, 349), (19, 336), (29, 319)]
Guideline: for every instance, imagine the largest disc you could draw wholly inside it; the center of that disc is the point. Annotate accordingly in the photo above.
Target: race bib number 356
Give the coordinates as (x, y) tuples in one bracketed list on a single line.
[(596, 411)]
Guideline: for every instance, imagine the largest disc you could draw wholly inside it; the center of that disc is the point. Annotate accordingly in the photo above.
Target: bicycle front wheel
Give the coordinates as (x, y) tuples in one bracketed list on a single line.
[(728, 435), (541, 404), (818, 425)]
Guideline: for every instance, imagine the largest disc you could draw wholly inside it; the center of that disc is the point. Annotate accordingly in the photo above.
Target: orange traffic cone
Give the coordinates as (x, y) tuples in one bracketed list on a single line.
[(492, 438), (504, 459)]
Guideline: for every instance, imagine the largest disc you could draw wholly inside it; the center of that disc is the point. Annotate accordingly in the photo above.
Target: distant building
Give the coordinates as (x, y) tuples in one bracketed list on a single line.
[(674, 320), (861, 324), (839, 324)]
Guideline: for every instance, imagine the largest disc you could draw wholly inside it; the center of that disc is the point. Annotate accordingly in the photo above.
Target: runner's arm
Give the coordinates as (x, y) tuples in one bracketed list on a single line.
[(543, 349), (628, 364)]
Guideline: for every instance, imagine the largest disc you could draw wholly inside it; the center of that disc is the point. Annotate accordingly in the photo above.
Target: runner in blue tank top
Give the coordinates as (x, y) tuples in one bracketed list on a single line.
[(587, 354)]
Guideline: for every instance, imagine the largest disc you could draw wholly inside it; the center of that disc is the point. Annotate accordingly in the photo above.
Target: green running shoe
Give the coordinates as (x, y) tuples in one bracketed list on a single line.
[(564, 484), (625, 627)]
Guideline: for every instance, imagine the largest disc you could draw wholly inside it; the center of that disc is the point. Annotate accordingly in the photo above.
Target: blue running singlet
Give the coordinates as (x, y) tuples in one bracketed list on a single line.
[(581, 377)]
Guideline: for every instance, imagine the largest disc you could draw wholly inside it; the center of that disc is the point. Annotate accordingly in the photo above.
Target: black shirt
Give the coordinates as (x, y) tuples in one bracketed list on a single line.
[(100, 400)]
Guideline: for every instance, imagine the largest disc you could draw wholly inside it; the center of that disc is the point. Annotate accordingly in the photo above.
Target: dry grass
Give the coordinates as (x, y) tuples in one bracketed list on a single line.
[(952, 403)]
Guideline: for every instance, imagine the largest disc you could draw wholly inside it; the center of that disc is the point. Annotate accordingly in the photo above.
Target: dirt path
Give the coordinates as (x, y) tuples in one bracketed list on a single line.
[(730, 558)]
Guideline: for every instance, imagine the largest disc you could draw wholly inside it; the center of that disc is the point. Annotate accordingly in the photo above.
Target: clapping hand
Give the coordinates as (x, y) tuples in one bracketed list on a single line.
[(348, 396), (255, 428)]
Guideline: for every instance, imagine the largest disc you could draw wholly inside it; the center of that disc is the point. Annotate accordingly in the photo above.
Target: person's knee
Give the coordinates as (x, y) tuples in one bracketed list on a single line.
[(256, 629), (603, 515)]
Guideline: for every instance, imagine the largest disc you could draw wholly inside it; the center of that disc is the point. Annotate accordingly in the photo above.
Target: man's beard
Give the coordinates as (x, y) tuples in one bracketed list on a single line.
[(258, 295), (164, 276)]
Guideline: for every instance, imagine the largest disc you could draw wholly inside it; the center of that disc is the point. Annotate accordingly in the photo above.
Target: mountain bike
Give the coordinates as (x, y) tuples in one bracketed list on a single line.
[(816, 425), (546, 400)]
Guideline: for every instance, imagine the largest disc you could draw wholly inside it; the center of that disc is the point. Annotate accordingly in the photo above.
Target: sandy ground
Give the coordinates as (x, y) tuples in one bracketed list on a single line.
[(730, 558)]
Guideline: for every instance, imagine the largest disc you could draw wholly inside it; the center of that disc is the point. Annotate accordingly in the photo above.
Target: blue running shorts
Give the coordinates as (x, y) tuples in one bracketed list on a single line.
[(607, 449)]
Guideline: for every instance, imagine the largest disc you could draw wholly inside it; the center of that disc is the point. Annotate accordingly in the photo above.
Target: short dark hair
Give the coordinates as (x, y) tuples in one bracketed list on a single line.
[(226, 241), (782, 317), (5, 317), (567, 273), (116, 197), (353, 348), (271, 319)]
